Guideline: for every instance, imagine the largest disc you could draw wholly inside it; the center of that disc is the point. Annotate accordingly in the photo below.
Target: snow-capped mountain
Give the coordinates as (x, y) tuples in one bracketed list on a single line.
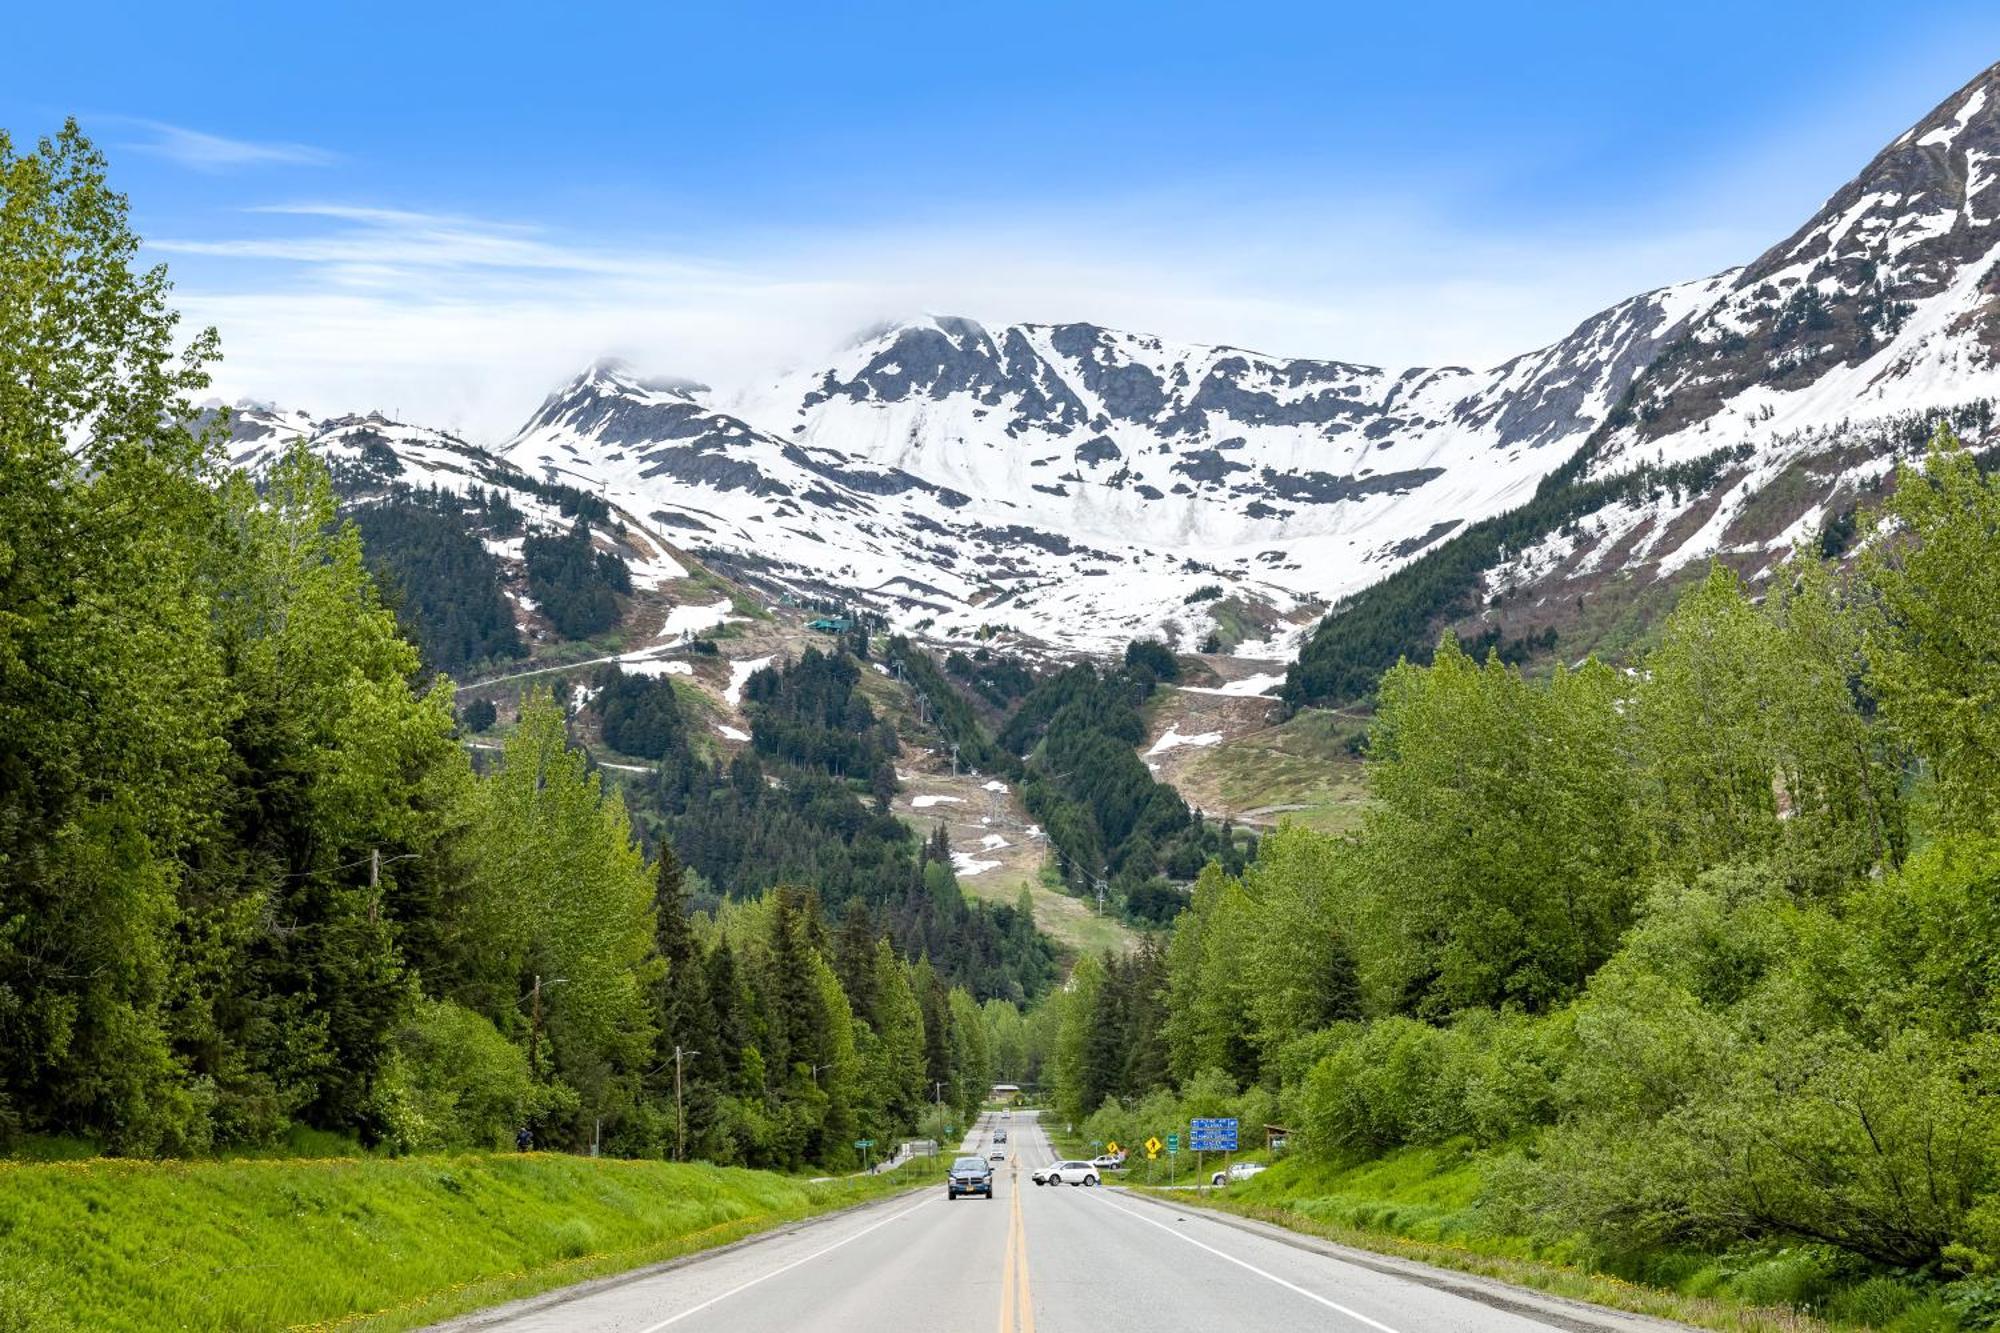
[(379, 454), (1774, 414), (1819, 365), (1081, 485)]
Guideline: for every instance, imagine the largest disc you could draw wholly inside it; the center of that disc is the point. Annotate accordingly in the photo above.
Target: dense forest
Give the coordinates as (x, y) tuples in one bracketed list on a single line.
[(948, 712), (1069, 738), (444, 583), (250, 883), (1691, 957), (576, 585), (1105, 814), (807, 803)]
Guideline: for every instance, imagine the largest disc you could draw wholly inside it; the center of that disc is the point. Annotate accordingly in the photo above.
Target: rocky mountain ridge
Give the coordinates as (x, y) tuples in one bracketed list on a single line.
[(1072, 485)]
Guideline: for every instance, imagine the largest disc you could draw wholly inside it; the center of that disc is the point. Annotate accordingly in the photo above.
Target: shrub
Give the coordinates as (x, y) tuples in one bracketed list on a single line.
[(452, 1081)]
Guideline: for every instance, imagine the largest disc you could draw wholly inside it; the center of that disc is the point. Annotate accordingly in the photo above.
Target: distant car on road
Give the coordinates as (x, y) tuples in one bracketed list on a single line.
[(1109, 1162), (1239, 1171), (969, 1175), (999, 1136), (1068, 1173)]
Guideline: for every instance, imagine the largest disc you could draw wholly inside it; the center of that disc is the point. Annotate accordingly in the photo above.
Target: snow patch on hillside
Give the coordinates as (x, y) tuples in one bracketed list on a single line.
[(1174, 740)]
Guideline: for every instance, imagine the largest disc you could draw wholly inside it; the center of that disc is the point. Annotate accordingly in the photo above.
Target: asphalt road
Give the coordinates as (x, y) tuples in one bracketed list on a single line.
[(1043, 1258)]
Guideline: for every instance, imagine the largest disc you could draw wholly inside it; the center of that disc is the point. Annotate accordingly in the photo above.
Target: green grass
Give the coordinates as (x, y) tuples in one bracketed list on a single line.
[(1235, 622), (361, 1243), (1303, 761), (1430, 1204), (1071, 922)]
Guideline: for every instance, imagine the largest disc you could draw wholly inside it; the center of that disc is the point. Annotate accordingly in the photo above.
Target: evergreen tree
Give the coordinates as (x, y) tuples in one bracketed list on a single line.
[(902, 1068), (684, 1018), (855, 961)]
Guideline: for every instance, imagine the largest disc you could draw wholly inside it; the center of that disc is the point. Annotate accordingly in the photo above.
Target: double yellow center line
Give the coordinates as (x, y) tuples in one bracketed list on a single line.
[(1017, 1306)]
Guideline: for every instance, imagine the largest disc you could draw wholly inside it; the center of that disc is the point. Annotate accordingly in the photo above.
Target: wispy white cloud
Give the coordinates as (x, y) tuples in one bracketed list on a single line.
[(200, 151), (466, 322)]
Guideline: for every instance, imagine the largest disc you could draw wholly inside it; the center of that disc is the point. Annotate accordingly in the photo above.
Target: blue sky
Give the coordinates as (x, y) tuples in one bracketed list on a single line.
[(441, 212)]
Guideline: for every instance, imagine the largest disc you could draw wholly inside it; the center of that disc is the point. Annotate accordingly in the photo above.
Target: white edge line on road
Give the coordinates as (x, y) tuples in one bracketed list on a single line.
[(1242, 1263), (784, 1268)]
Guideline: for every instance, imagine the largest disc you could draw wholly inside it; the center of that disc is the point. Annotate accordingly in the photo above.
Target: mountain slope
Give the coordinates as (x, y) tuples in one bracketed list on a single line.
[(1759, 427), (1068, 487), (1082, 486)]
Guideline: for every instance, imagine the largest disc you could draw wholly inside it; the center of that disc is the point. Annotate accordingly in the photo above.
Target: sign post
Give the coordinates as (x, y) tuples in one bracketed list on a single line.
[(864, 1145), (1211, 1134)]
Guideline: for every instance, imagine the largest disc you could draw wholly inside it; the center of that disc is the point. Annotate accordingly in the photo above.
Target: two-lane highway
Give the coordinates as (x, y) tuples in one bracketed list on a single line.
[(1048, 1258)]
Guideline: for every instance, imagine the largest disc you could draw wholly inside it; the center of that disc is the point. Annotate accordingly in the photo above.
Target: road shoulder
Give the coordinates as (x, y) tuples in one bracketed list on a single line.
[(1561, 1312)]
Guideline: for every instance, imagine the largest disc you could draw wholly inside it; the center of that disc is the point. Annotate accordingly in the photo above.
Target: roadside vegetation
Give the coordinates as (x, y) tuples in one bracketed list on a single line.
[(252, 885), (1681, 977)]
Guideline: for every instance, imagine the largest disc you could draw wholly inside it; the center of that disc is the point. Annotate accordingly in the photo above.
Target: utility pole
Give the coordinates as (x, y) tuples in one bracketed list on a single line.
[(937, 1091), (680, 1117), (1100, 895), (954, 758), (815, 1073), (535, 1028)]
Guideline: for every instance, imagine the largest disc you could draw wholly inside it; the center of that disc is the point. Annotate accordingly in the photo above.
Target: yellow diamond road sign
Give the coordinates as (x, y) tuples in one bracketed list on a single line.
[(1153, 1147), (1112, 1147)]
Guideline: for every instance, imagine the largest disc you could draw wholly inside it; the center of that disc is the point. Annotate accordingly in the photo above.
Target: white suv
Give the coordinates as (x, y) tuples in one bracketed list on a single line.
[(1067, 1173), (1238, 1171)]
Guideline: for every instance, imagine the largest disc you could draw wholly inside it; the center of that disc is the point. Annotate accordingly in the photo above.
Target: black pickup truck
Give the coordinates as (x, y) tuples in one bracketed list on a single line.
[(969, 1175)]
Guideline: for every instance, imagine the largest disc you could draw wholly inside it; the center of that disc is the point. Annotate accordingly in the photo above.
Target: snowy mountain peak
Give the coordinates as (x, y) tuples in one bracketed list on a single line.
[(1082, 484), (1883, 302)]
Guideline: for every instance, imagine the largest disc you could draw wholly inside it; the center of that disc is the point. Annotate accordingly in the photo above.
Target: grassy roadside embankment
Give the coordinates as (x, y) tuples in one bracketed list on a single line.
[(362, 1243), (1429, 1204)]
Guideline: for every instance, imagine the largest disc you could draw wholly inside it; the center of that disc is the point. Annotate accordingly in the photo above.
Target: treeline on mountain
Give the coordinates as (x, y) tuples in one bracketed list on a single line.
[(1691, 960), (444, 583), (946, 710), (809, 714), (424, 545), (1368, 632), (249, 880), (1070, 742), (1105, 814), (807, 803), (1001, 681), (576, 585)]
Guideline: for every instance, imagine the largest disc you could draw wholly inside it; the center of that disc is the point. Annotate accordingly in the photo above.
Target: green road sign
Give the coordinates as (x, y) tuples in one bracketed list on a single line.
[(1173, 1143), (864, 1143)]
